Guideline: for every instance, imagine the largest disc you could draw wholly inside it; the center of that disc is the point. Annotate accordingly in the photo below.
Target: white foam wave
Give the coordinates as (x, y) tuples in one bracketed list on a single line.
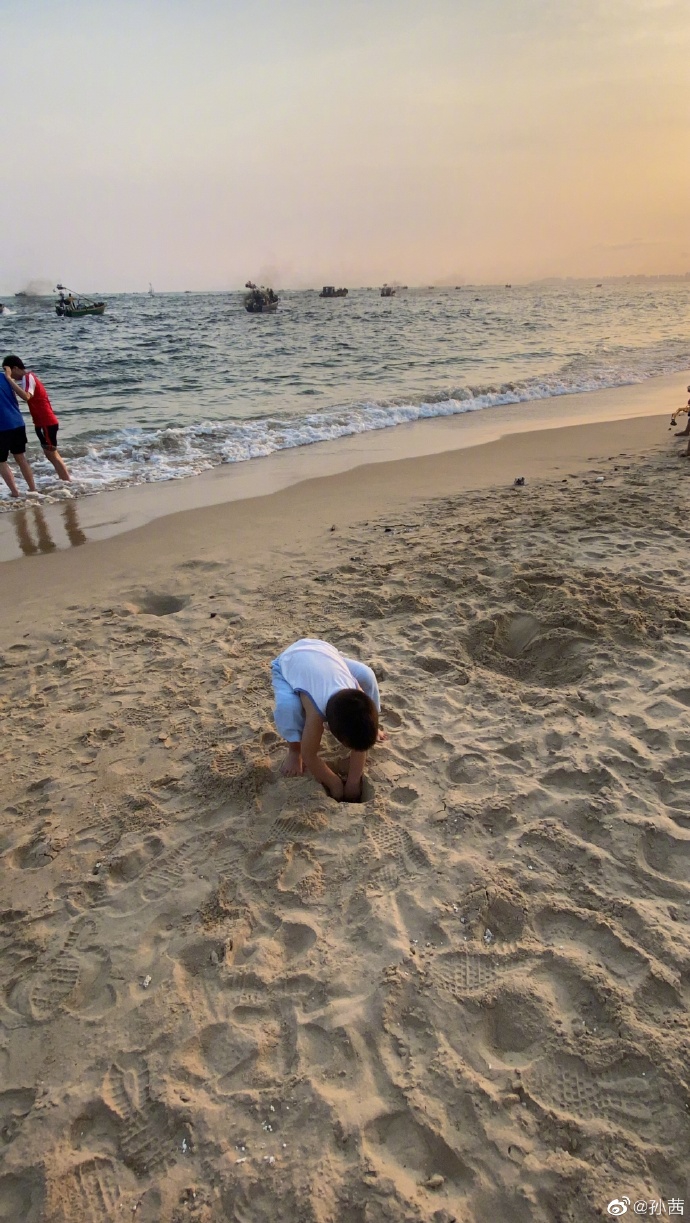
[(142, 456)]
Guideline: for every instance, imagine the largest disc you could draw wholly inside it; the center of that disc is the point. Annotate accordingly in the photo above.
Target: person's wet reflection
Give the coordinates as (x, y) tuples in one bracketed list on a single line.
[(75, 534), (24, 522)]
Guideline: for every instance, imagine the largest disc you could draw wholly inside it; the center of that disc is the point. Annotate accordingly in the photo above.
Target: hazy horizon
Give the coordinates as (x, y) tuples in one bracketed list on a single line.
[(39, 289), (343, 143)]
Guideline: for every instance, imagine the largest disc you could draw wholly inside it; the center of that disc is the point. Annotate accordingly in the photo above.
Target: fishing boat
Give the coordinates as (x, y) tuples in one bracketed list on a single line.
[(76, 306), (331, 291), (259, 300), (388, 291)]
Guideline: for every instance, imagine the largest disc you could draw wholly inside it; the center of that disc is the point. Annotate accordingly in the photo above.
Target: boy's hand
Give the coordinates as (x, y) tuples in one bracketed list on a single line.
[(336, 789), (352, 791)]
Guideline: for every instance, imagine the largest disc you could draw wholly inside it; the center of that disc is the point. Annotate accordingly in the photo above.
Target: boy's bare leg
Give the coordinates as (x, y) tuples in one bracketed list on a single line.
[(293, 765), (25, 468), (54, 458), (683, 432), (6, 473)]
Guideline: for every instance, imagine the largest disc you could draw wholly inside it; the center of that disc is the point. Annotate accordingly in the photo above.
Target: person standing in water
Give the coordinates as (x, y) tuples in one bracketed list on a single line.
[(12, 437), (27, 386)]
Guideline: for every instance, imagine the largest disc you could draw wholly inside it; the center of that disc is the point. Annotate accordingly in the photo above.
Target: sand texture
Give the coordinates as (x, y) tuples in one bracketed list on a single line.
[(224, 996)]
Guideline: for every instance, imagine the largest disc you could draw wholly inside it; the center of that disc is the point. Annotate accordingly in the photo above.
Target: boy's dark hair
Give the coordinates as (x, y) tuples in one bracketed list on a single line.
[(353, 718), (14, 363)]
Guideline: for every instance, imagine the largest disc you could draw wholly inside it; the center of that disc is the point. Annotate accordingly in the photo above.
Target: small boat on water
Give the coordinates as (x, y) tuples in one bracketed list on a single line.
[(77, 306), (259, 300), (388, 291), (331, 291)]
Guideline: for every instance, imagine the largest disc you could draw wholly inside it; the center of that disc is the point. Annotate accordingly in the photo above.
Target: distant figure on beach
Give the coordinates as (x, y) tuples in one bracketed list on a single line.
[(314, 685), (12, 437), (27, 386), (686, 431)]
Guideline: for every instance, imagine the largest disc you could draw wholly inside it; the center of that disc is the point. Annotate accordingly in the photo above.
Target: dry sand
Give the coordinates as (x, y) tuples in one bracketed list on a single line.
[(224, 996)]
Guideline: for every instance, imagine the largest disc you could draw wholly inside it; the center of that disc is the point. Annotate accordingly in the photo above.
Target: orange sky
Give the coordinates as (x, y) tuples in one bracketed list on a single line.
[(342, 141)]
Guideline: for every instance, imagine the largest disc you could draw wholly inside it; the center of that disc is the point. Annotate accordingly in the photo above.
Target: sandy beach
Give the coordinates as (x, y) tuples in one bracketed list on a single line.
[(223, 995)]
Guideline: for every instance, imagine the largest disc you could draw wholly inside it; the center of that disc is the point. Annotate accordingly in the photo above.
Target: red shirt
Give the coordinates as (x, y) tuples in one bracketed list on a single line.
[(40, 408)]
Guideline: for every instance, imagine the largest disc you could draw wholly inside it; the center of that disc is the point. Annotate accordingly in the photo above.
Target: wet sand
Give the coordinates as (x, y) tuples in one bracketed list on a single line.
[(64, 524)]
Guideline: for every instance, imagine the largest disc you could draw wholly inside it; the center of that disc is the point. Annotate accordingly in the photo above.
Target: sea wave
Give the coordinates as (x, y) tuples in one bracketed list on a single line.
[(140, 455)]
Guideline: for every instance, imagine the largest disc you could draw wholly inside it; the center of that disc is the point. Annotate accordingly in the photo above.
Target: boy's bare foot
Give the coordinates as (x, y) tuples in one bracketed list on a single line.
[(293, 765)]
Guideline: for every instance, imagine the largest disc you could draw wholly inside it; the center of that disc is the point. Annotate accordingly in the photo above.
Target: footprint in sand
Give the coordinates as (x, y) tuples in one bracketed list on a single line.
[(73, 978), (149, 1135), (565, 929), (396, 855), (34, 854), (460, 973), (666, 854), (629, 1098), (89, 1192)]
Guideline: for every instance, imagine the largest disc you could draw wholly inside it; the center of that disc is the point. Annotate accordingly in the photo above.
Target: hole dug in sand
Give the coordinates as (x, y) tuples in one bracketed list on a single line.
[(151, 604), (400, 1142), (21, 1197), (297, 938), (515, 1026), (524, 648)]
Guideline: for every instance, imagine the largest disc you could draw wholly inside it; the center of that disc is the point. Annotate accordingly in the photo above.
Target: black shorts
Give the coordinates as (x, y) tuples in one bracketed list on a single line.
[(47, 436), (12, 441)]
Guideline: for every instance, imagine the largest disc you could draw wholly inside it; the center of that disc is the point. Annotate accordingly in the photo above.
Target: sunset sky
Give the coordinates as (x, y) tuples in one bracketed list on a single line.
[(342, 141)]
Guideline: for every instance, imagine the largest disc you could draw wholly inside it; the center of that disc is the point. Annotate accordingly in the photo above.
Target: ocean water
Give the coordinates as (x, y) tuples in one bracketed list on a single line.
[(168, 386)]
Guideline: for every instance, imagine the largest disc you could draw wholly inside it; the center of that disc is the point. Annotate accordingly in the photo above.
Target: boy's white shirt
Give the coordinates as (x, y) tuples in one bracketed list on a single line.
[(317, 669)]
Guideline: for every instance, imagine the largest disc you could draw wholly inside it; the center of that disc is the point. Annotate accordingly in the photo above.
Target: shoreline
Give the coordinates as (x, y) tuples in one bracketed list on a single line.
[(94, 518), (261, 535)]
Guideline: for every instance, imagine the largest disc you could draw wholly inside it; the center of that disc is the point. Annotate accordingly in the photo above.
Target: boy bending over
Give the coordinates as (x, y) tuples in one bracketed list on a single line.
[(314, 685)]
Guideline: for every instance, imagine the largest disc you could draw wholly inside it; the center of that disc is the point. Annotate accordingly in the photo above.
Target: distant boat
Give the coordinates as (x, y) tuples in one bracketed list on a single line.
[(331, 291), (76, 306), (151, 292), (259, 300), (388, 291), (600, 286), (508, 286)]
